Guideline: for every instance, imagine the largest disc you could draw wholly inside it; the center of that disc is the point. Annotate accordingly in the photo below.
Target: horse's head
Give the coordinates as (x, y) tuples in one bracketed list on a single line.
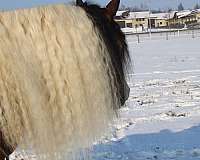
[(103, 19)]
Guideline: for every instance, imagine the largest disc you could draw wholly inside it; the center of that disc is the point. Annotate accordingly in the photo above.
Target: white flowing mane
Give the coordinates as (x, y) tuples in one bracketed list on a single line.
[(55, 79)]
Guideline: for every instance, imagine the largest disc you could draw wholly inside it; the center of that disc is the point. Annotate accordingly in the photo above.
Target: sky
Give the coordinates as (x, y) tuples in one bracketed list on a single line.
[(154, 4)]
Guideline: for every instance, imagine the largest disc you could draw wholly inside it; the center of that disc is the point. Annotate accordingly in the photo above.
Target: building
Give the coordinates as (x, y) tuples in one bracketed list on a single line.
[(183, 19), (120, 18), (142, 21), (198, 15), (160, 20), (136, 20)]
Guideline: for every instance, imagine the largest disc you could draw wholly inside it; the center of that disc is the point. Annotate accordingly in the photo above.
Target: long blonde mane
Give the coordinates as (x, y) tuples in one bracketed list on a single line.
[(56, 92)]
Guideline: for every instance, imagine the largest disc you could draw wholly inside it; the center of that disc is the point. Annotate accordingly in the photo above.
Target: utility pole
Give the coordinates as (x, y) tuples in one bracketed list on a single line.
[(177, 18), (150, 19)]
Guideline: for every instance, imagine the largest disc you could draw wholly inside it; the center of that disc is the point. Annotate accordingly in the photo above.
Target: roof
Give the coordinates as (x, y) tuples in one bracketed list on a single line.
[(120, 13), (160, 15), (172, 14), (133, 15), (185, 13)]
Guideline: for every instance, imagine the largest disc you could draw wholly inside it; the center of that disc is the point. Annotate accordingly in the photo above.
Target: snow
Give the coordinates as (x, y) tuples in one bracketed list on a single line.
[(120, 13), (161, 120), (141, 30), (184, 13), (134, 15), (160, 15)]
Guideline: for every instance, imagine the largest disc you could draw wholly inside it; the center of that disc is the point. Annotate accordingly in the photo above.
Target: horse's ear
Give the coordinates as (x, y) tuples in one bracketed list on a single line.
[(79, 3), (111, 8)]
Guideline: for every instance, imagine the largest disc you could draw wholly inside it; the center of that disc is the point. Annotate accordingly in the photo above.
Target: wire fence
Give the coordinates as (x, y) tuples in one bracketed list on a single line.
[(167, 35)]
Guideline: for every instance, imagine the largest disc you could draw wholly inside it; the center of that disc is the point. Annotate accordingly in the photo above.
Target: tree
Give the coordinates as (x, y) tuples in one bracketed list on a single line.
[(169, 9), (180, 7), (143, 6), (122, 7), (197, 6)]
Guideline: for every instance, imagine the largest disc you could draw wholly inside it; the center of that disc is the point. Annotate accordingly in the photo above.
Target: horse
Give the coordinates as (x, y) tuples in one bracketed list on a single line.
[(62, 76)]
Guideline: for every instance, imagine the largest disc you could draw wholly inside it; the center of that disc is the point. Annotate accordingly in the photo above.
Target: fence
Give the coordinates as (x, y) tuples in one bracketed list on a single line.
[(166, 35)]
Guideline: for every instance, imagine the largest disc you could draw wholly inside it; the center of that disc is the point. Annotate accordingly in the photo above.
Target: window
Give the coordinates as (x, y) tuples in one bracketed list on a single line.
[(130, 25)]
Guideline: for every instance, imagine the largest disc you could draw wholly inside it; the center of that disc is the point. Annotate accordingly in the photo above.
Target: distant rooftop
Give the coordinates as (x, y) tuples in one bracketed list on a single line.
[(120, 13), (160, 15), (133, 15)]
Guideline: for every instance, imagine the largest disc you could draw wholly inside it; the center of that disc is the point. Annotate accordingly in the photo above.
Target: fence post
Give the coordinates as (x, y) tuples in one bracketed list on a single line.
[(138, 38), (193, 34), (167, 37)]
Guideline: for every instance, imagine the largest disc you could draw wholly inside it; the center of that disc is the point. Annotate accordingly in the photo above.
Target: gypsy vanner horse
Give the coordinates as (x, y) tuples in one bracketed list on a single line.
[(62, 76)]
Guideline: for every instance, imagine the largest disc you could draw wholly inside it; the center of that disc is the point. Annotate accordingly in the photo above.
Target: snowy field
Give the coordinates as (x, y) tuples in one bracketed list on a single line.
[(162, 117)]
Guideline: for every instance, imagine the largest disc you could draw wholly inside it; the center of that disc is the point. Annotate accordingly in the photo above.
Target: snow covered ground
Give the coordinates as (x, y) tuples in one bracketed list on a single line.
[(153, 30), (162, 117)]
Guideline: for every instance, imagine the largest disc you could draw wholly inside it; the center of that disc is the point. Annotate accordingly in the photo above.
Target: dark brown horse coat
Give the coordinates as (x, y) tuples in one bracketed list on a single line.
[(5, 148)]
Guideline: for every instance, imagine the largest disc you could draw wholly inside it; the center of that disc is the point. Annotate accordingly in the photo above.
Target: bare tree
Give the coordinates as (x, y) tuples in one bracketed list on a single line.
[(180, 7), (197, 6)]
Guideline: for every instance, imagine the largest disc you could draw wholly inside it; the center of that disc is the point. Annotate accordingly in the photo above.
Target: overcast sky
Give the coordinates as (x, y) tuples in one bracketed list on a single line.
[(155, 4)]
